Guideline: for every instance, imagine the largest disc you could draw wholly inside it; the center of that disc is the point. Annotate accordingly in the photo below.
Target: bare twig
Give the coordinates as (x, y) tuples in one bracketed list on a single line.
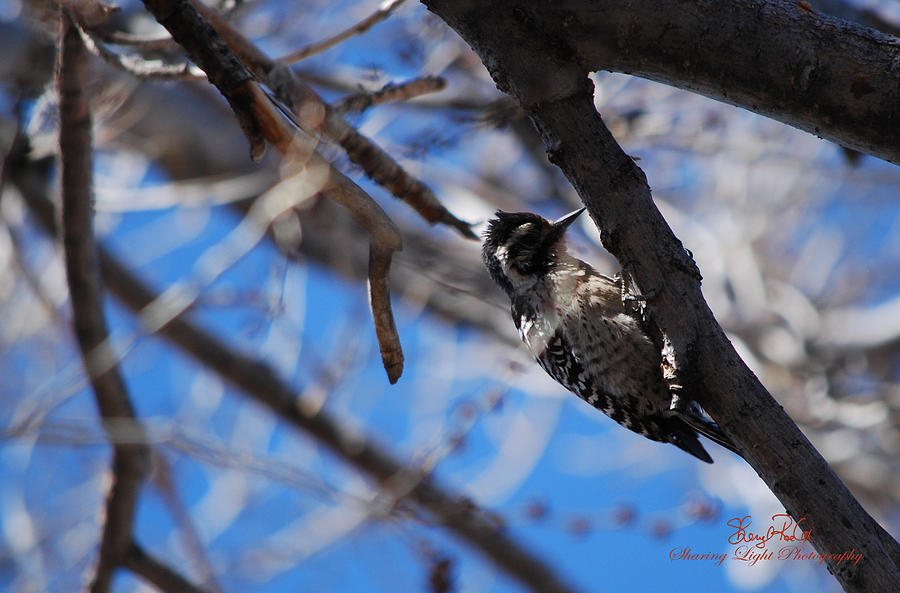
[(390, 93), (155, 572), (384, 239), (139, 42), (137, 66), (387, 7), (129, 460), (388, 173), (378, 164), (164, 480)]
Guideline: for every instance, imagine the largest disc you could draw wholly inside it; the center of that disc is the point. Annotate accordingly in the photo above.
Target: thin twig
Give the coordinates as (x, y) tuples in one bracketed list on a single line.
[(376, 163), (137, 66), (158, 574), (390, 93), (164, 480), (359, 28), (384, 238), (140, 42), (130, 461)]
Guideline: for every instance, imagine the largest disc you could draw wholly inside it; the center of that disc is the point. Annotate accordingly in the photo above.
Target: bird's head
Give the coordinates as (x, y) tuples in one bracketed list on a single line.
[(520, 248)]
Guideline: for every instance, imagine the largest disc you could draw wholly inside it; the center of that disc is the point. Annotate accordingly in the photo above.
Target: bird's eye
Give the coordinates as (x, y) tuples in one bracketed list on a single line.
[(524, 266)]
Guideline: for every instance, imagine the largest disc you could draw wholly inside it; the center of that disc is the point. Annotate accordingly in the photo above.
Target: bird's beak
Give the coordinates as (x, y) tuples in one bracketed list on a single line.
[(563, 223)]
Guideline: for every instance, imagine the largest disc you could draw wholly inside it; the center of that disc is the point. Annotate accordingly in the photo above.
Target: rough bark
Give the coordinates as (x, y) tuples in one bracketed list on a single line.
[(833, 78)]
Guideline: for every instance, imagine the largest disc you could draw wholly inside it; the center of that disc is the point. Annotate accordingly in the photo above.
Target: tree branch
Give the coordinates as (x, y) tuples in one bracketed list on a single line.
[(194, 33), (130, 461), (155, 572), (383, 12), (136, 65), (550, 82), (315, 116), (391, 92), (263, 121), (813, 71), (302, 159)]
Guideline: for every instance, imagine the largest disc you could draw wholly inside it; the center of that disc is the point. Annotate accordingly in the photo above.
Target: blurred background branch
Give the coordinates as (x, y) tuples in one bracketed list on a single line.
[(130, 460)]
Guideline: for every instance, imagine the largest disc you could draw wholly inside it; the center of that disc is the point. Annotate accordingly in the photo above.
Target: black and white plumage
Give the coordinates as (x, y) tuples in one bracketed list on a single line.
[(574, 321)]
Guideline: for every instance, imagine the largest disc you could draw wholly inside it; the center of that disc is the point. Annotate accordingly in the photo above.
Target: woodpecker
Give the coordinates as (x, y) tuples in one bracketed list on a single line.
[(582, 331)]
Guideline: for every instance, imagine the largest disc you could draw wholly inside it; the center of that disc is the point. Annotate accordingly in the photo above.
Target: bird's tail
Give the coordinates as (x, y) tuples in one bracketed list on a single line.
[(708, 428), (681, 435)]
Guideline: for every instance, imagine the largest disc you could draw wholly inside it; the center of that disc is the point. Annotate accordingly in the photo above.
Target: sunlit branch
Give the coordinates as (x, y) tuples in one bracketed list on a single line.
[(301, 159), (138, 66), (139, 42)]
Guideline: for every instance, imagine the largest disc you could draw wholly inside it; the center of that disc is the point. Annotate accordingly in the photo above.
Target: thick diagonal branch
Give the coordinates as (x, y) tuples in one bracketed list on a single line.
[(550, 81), (204, 46)]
